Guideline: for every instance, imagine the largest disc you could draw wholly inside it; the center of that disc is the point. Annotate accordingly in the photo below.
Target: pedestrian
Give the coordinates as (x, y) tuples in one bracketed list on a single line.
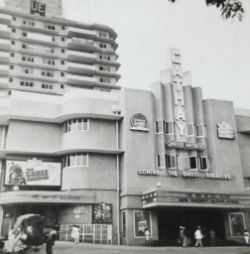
[(212, 235), (75, 234), (147, 237), (246, 236), (183, 236), (51, 239), (198, 237)]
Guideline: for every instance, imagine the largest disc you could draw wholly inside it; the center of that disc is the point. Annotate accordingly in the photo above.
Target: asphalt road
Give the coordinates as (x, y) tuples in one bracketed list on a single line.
[(70, 248)]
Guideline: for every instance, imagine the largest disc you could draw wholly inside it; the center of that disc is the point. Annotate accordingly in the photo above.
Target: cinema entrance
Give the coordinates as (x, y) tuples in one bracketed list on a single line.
[(170, 219), (224, 215)]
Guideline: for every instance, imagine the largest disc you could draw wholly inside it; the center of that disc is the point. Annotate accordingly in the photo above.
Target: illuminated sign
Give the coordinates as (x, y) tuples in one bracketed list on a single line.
[(37, 7), (33, 173), (139, 122), (225, 131)]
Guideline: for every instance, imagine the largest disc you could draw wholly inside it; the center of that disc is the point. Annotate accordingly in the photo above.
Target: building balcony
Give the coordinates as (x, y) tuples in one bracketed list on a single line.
[(4, 44), (4, 69), (5, 19), (4, 31), (80, 68), (80, 80), (81, 44), (80, 32), (80, 56), (4, 57)]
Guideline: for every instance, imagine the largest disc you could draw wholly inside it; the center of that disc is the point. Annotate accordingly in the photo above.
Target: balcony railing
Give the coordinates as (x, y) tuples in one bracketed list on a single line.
[(80, 56), (80, 68)]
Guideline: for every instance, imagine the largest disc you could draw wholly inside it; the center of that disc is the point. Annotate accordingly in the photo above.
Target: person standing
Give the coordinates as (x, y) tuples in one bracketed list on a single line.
[(246, 236), (212, 235), (183, 236), (147, 237), (198, 237), (75, 234), (51, 240)]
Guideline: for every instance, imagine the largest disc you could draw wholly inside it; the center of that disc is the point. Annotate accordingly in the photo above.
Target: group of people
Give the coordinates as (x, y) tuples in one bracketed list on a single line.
[(184, 240)]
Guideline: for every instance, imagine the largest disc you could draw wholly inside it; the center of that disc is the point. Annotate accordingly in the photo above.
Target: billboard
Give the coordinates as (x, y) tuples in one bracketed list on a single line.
[(102, 213), (32, 173)]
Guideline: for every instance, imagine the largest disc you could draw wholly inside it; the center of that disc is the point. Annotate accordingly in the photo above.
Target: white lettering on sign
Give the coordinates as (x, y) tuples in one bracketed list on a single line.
[(148, 172)]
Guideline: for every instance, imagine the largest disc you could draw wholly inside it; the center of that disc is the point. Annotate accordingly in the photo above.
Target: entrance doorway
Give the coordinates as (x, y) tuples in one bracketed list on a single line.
[(169, 220)]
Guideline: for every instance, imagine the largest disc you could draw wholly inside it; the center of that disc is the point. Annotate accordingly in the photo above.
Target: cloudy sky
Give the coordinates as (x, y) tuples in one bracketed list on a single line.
[(216, 51)]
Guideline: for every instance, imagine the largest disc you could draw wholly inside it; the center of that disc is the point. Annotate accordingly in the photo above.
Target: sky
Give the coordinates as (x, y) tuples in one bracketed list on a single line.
[(216, 51)]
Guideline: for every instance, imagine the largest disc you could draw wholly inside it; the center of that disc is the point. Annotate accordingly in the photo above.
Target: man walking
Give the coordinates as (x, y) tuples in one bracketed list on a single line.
[(198, 237)]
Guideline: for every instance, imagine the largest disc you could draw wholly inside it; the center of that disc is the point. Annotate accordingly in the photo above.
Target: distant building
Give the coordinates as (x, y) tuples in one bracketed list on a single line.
[(78, 149)]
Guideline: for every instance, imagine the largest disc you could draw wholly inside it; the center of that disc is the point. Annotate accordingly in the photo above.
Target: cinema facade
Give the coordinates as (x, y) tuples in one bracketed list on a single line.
[(118, 162)]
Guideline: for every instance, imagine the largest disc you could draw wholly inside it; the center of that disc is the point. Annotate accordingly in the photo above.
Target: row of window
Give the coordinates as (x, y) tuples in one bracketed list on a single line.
[(76, 159), (81, 124), (32, 23), (169, 127), (31, 84), (194, 162), (104, 68)]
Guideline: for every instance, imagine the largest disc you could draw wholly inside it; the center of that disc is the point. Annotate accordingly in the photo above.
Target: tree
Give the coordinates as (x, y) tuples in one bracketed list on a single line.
[(229, 8)]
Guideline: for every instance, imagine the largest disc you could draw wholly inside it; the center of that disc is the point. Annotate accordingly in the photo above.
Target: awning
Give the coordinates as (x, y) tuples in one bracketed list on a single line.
[(162, 198)]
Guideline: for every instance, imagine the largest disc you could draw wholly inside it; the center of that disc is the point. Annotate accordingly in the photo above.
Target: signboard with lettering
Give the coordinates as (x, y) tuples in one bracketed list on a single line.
[(225, 131), (37, 7), (32, 173), (139, 122)]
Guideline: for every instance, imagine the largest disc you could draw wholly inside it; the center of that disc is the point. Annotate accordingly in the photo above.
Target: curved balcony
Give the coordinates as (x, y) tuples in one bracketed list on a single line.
[(4, 57), (80, 57), (4, 31), (5, 19), (80, 32), (4, 44), (80, 68), (81, 44), (80, 80)]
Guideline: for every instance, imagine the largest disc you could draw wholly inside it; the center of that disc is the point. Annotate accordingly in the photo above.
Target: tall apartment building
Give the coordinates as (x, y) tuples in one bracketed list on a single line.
[(42, 52)]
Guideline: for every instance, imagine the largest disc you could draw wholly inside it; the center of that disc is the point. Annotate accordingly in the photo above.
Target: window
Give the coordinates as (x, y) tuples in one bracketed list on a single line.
[(24, 34), (200, 130), (62, 50), (11, 67), (62, 39), (105, 80), (62, 86), (76, 159), (170, 161), (124, 224), (159, 160), (102, 45), (192, 163), (63, 27), (203, 163), (14, 18), (159, 127), (11, 79), (26, 83), (62, 74), (47, 86), (12, 54), (24, 46), (53, 38), (81, 124), (62, 62), (190, 129), (51, 27), (168, 127), (13, 30), (13, 42), (24, 22)]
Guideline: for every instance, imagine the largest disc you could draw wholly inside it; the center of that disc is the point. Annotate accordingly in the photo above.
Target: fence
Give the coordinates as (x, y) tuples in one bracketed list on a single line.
[(89, 233)]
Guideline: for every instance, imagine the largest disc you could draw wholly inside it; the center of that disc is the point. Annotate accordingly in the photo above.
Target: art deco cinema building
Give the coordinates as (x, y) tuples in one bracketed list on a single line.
[(78, 149)]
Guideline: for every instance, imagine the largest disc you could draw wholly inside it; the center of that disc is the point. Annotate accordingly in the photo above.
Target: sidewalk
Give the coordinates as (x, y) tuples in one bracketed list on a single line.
[(71, 248)]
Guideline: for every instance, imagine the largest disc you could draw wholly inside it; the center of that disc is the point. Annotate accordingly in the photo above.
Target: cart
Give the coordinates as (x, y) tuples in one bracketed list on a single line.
[(27, 235)]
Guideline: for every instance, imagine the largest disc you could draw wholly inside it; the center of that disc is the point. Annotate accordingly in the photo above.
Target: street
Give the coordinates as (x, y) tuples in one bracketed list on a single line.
[(68, 247)]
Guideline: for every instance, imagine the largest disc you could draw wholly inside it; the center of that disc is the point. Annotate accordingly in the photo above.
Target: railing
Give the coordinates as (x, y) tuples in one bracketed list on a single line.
[(89, 233)]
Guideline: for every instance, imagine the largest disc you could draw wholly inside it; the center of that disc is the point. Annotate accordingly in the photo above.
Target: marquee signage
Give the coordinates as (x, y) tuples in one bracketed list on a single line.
[(33, 173), (188, 174), (225, 131), (37, 7), (139, 122)]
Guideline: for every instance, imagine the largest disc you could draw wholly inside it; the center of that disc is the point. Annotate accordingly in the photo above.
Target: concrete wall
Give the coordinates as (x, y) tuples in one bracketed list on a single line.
[(99, 174)]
